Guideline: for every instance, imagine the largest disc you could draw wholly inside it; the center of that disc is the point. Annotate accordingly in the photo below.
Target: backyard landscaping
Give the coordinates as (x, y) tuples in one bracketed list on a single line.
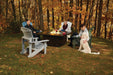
[(62, 60)]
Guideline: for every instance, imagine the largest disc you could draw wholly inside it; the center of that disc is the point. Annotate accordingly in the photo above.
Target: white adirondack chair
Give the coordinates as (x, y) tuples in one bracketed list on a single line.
[(69, 28), (35, 46)]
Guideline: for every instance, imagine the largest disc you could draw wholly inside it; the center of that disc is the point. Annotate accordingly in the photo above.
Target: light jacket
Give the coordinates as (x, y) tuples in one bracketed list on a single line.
[(68, 29), (81, 32)]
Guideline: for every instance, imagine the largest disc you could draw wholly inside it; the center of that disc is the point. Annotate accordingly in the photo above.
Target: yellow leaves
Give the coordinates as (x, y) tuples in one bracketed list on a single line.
[(5, 55), (5, 67), (6, 45), (51, 72), (9, 68), (1, 71), (3, 26)]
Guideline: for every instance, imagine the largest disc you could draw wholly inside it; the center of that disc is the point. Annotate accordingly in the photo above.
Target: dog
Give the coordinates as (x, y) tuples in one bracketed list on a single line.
[(84, 44)]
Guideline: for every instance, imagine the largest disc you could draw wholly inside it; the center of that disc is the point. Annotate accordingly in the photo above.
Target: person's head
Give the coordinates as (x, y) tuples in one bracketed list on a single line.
[(65, 22), (82, 26), (28, 22)]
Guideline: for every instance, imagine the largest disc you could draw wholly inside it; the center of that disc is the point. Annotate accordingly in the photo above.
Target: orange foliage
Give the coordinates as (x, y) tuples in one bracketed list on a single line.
[(3, 24)]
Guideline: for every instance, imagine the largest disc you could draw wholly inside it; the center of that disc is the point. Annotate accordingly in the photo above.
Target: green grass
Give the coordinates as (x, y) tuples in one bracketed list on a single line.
[(59, 60)]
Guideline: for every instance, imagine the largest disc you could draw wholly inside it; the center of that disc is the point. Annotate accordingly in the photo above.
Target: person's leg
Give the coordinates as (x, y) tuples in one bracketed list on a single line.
[(35, 35), (63, 30), (77, 41), (71, 38)]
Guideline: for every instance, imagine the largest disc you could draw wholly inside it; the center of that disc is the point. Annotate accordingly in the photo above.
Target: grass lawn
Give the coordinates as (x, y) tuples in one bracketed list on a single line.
[(58, 60)]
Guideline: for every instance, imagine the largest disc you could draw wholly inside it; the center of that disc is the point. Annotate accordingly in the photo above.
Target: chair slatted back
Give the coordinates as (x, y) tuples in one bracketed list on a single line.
[(69, 23), (27, 32)]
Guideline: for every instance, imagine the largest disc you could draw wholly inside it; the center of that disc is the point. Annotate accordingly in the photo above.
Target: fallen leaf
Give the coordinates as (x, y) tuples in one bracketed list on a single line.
[(51, 72), (1, 71)]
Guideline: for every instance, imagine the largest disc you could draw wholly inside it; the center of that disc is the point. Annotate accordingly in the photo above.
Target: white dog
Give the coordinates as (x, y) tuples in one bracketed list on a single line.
[(85, 45)]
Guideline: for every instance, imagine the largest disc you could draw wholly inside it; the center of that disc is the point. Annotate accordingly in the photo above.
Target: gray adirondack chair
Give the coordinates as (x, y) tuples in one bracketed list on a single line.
[(35, 46)]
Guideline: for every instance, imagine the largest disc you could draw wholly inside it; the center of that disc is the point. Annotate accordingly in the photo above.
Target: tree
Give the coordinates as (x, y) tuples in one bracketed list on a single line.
[(71, 5), (61, 10), (111, 29), (99, 18), (0, 7), (76, 16), (13, 7), (52, 15), (90, 13), (48, 15), (80, 14), (6, 9), (96, 15), (41, 14), (35, 11), (87, 5), (20, 12), (107, 5)]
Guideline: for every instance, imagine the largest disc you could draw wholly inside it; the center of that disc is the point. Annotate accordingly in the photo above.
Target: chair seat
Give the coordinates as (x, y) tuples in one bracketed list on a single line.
[(39, 46)]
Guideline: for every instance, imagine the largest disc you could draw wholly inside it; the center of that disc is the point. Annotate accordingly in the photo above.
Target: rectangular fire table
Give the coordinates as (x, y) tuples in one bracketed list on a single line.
[(56, 40)]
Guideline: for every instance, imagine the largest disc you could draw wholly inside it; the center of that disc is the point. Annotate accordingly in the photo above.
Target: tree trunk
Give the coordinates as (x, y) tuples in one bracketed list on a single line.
[(0, 7), (90, 13), (20, 12), (87, 5), (76, 16), (13, 7), (107, 5), (80, 14), (71, 5), (6, 9), (61, 9), (99, 18), (53, 17), (35, 13), (111, 29), (48, 17), (41, 14), (96, 16)]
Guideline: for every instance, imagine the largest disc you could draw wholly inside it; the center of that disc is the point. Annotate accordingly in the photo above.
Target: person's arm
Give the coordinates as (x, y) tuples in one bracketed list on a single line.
[(61, 27), (80, 34), (26, 26), (32, 28)]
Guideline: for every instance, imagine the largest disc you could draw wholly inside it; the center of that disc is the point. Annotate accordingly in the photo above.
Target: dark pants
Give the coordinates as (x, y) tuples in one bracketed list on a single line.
[(35, 34), (71, 39)]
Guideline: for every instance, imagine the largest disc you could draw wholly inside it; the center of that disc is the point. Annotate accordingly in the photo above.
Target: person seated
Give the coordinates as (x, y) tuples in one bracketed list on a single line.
[(25, 23), (34, 31), (65, 28), (83, 29)]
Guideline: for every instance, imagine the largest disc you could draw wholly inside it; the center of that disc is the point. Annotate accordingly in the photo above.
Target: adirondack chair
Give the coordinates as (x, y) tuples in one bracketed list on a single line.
[(69, 24), (89, 42), (35, 46), (25, 23)]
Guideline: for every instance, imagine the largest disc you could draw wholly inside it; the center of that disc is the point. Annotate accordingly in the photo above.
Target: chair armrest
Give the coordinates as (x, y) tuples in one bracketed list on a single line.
[(35, 38), (75, 36), (43, 41)]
